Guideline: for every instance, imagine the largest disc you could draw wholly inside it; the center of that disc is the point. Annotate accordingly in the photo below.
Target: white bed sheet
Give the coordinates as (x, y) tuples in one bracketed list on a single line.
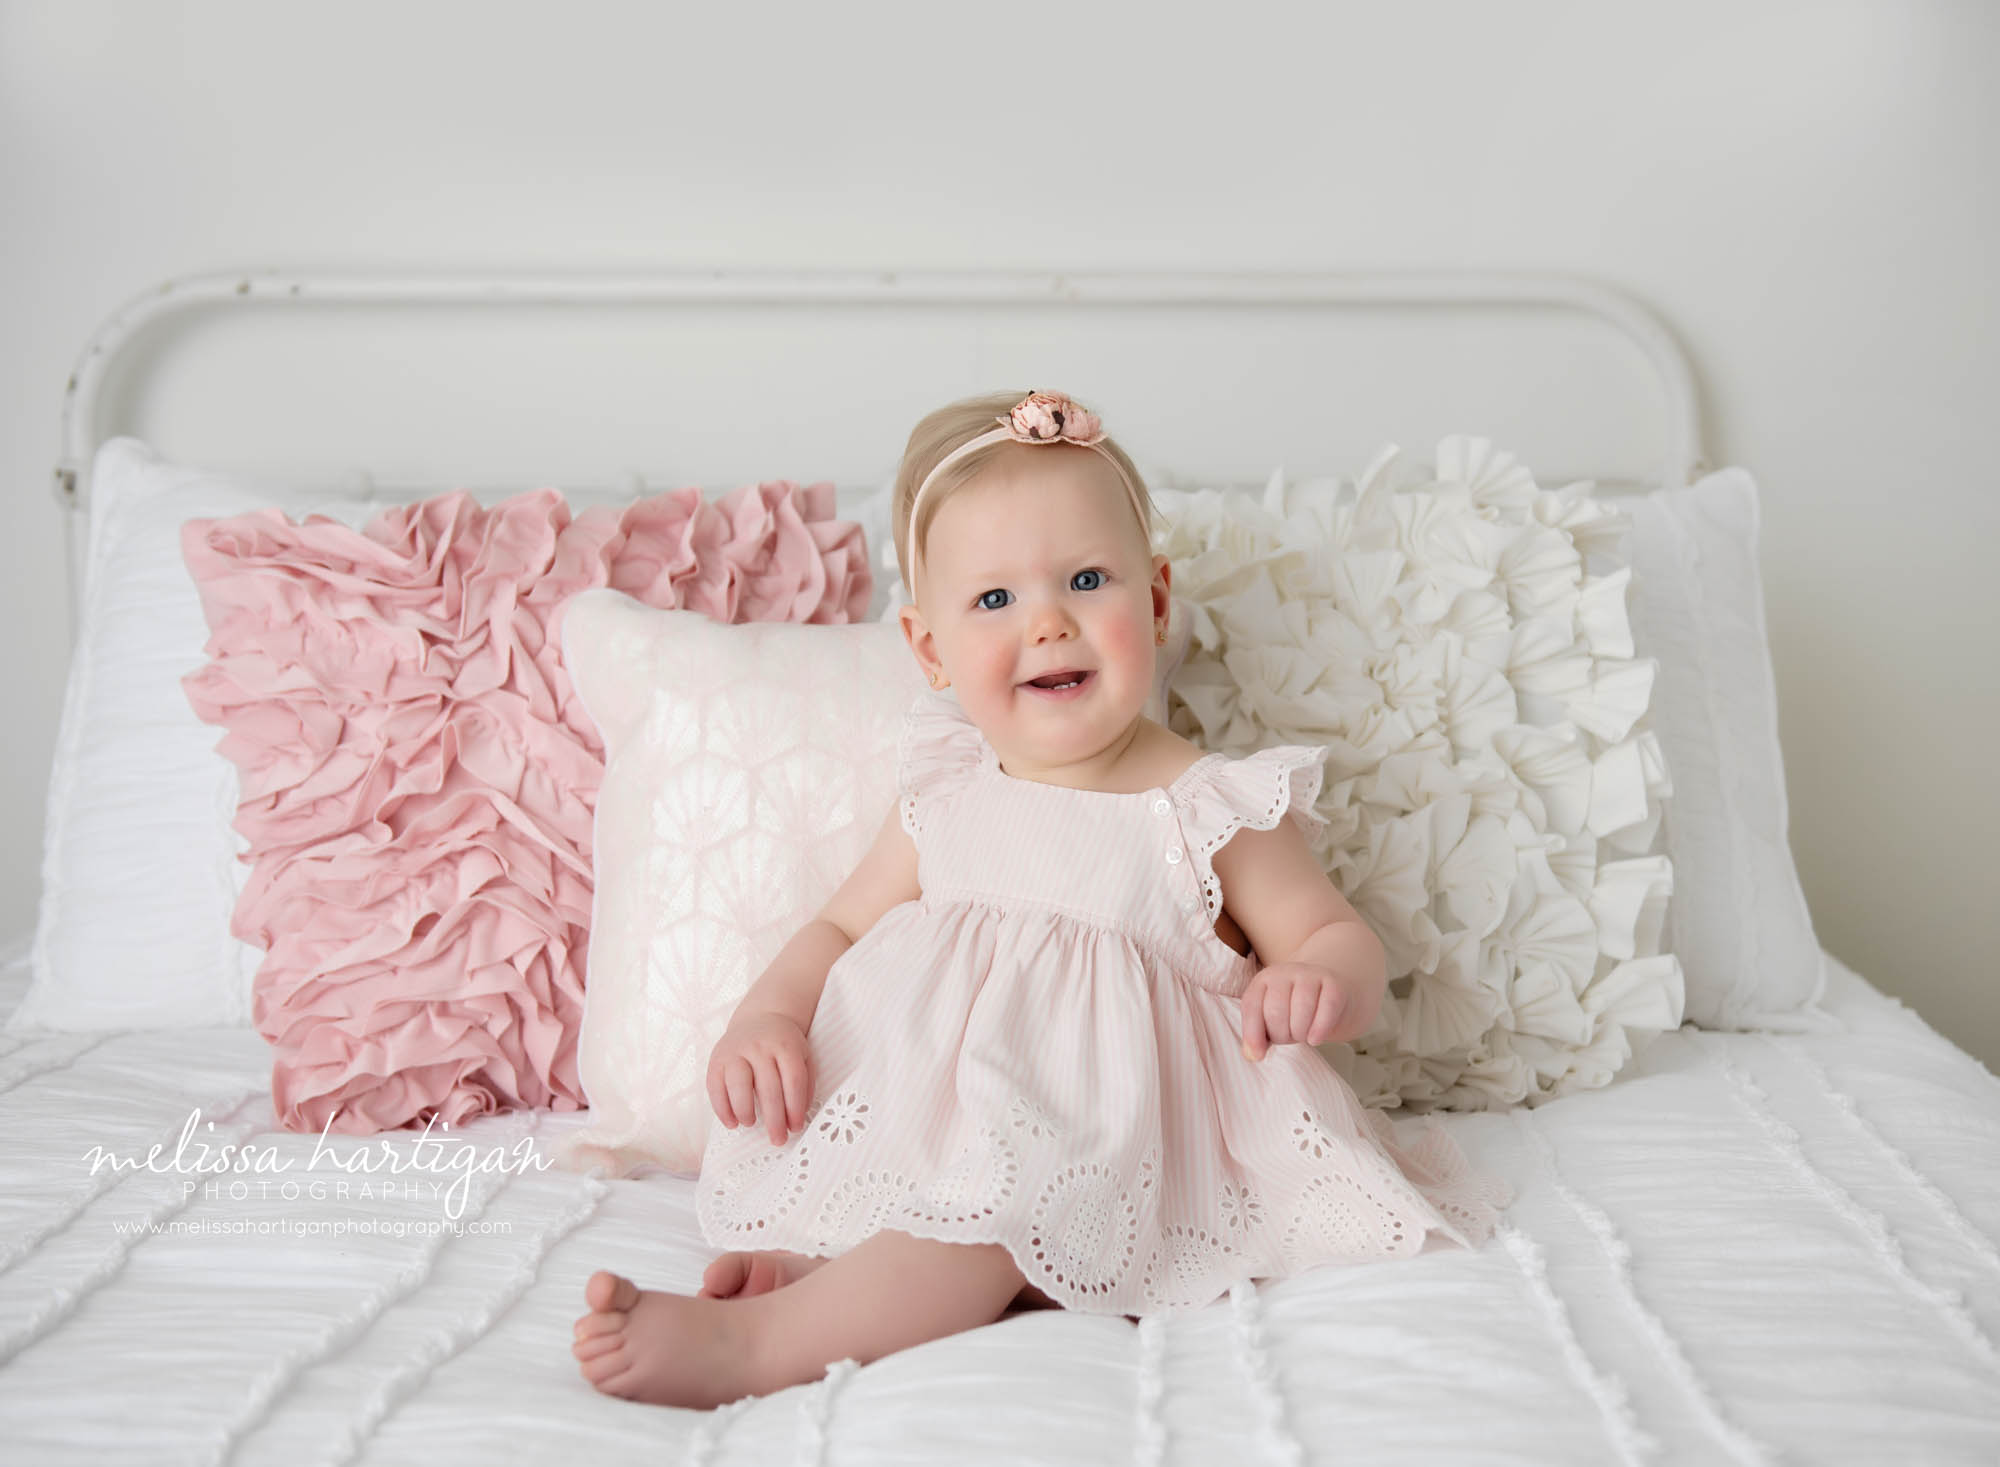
[(1751, 1248)]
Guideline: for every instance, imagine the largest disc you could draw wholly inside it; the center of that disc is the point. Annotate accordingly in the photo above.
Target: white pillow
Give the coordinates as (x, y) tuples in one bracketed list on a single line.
[(1738, 920), (139, 869)]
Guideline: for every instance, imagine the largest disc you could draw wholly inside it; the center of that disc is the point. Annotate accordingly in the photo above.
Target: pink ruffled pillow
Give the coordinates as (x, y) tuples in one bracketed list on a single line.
[(418, 779)]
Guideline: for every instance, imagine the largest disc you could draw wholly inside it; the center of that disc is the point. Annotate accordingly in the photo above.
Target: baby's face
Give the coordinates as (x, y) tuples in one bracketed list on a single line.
[(1040, 566)]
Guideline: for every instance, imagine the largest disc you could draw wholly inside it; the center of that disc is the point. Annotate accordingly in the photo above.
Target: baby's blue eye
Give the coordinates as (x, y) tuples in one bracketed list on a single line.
[(986, 605)]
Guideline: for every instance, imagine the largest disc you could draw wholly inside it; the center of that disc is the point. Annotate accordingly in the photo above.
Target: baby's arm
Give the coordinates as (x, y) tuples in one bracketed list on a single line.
[(1324, 972), (762, 1066)]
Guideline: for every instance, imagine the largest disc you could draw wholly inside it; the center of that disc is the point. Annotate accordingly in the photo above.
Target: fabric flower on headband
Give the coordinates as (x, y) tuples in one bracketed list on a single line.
[(1042, 417)]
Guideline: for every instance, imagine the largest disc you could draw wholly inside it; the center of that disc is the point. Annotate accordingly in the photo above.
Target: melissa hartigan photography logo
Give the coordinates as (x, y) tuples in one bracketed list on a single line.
[(369, 1177)]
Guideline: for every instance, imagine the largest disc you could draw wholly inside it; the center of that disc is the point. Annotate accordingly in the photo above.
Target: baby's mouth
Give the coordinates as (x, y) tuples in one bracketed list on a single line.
[(1067, 680)]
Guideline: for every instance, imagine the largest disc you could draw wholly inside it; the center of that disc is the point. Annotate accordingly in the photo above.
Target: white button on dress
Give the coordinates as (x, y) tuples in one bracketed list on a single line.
[(1163, 806), (1174, 855)]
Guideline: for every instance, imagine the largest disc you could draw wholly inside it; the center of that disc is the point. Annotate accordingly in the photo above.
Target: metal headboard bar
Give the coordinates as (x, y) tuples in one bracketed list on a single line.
[(1620, 311), (1360, 289)]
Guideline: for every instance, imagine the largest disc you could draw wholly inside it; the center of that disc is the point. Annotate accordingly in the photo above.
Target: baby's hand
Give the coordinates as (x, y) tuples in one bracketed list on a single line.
[(1290, 1003), (761, 1067)]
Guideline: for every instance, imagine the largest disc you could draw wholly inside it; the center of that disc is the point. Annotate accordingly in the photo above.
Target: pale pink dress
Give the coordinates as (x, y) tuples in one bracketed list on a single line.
[(1044, 1051)]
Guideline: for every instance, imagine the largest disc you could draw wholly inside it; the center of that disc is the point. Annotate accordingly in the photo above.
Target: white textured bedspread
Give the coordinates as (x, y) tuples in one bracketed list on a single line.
[(1750, 1249)]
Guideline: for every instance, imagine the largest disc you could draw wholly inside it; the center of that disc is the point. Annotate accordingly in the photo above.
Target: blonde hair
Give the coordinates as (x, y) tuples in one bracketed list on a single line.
[(937, 434)]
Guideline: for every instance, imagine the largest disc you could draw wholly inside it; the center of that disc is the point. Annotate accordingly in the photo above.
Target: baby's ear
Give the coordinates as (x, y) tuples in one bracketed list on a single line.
[(918, 635)]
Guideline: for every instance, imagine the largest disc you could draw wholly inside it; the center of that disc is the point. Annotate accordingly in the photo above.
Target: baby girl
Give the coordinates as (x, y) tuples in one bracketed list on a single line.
[(1050, 1044)]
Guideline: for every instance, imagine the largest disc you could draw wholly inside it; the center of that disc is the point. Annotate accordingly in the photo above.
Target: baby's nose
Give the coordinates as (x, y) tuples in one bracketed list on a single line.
[(1051, 621)]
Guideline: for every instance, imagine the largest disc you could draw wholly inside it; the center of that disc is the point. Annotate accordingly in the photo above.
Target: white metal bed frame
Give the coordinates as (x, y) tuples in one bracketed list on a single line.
[(1529, 291)]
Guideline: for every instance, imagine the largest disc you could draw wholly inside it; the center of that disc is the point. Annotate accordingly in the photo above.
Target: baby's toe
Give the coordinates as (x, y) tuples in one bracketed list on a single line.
[(726, 1276), (600, 1370), (591, 1346), (592, 1325), (607, 1291)]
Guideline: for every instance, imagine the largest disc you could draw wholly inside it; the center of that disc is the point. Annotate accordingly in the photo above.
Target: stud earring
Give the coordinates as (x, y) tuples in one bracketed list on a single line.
[(1160, 636), (936, 684)]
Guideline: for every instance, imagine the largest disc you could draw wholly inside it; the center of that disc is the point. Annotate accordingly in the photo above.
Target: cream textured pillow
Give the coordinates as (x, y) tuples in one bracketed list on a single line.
[(747, 770), (1494, 792)]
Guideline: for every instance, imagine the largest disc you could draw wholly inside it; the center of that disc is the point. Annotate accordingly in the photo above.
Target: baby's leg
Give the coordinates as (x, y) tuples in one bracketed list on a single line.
[(885, 1294), (745, 1275)]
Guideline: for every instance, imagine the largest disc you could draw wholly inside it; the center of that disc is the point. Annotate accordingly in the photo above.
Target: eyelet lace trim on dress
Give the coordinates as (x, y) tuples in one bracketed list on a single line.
[(937, 752), (1081, 1231), (1257, 790)]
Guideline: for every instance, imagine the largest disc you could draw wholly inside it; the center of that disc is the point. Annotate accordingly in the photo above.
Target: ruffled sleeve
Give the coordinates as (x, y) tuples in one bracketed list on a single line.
[(937, 753), (1257, 790)]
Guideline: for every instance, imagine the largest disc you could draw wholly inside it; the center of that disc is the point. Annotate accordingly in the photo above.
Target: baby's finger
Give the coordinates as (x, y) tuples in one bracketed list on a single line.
[(1278, 1012), (1305, 998), (771, 1098), (718, 1096), (1254, 1039), (742, 1092), (796, 1069), (1332, 1002)]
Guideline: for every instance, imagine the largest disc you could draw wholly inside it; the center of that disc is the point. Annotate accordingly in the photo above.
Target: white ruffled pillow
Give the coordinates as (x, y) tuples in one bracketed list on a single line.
[(1494, 792)]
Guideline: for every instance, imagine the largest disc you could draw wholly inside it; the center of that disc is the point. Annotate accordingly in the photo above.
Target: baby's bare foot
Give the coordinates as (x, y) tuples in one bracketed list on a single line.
[(669, 1349), (740, 1275)]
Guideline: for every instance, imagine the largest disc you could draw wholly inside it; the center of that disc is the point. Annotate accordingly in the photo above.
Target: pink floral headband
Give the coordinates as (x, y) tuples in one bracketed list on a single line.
[(1040, 417)]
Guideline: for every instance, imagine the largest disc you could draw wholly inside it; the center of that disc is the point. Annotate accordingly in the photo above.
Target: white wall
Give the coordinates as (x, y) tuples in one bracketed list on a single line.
[(1807, 191)]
